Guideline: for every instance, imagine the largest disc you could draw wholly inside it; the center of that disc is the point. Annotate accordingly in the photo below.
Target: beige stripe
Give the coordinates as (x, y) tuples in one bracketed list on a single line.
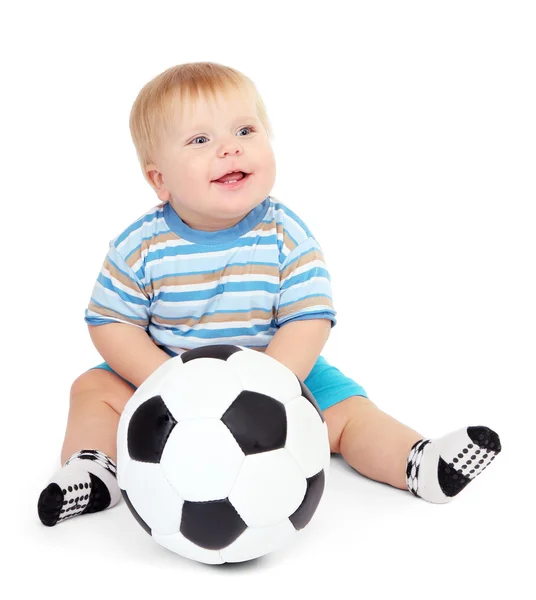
[(106, 312), (126, 281), (304, 304), (162, 238), (312, 255), (287, 240), (265, 315), (196, 279)]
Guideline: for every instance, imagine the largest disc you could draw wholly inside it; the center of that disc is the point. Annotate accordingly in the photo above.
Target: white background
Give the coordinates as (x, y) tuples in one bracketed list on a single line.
[(405, 138)]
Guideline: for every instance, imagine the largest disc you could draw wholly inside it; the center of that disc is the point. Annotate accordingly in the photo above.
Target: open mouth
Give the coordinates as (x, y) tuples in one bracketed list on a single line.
[(232, 178)]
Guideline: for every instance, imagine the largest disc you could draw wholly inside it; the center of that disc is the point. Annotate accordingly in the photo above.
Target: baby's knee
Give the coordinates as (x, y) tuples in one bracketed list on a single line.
[(98, 385)]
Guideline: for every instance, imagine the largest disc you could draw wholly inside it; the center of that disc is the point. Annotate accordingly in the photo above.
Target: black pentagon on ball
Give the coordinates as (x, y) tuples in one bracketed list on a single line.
[(148, 430), (212, 525), (313, 494), (221, 352), (306, 393), (135, 512), (258, 422)]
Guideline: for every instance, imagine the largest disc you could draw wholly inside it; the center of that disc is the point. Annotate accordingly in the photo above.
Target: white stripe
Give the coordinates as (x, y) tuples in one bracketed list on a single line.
[(307, 282), (223, 325), (304, 268), (200, 256), (203, 302), (121, 286)]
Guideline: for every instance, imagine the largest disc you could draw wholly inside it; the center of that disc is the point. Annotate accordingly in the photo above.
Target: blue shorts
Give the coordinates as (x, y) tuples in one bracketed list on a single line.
[(327, 384)]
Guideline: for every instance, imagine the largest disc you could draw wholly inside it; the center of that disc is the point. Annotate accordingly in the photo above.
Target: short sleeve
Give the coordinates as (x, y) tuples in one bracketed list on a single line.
[(305, 285), (118, 295)]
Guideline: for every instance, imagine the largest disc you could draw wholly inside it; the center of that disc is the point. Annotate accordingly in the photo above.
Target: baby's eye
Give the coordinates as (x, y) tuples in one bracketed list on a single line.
[(247, 127), (200, 137)]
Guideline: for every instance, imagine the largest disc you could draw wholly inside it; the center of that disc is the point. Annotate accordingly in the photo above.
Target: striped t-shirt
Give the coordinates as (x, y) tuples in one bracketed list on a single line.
[(189, 288)]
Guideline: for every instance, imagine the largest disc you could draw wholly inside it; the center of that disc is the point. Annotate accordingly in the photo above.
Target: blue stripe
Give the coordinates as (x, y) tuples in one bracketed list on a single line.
[(137, 225), (208, 334), (254, 286), (305, 276), (310, 316), (225, 302), (128, 317), (98, 320), (106, 283), (295, 217)]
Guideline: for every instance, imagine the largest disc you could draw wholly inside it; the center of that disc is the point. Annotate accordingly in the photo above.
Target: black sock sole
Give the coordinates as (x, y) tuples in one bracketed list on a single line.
[(51, 501), (49, 504), (100, 496)]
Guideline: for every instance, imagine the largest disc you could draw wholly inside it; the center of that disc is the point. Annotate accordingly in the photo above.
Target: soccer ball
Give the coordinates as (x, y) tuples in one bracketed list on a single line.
[(222, 454)]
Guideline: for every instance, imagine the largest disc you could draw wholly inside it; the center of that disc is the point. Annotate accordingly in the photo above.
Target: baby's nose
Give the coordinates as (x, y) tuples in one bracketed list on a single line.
[(231, 147)]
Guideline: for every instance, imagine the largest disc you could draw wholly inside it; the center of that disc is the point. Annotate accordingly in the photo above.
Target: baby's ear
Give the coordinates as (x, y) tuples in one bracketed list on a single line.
[(156, 180)]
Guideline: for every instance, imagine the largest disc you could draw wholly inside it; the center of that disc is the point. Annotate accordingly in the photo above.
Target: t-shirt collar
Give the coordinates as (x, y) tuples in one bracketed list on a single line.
[(253, 218)]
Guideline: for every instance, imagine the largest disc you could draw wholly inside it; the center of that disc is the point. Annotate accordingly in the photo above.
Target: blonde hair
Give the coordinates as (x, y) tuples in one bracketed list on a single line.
[(152, 110)]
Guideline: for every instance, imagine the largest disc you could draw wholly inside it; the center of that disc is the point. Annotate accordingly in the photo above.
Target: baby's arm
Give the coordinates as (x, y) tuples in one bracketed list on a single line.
[(128, 350), (297, 344)]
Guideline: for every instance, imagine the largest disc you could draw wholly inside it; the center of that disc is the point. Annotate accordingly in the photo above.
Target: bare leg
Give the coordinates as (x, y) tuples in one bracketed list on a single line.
[(97, 401), (87, 483), (382, 448), (371, 441)]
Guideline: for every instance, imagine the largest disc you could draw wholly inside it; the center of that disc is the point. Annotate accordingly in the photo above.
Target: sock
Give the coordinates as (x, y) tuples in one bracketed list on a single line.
[(85, 484), (437, 470)]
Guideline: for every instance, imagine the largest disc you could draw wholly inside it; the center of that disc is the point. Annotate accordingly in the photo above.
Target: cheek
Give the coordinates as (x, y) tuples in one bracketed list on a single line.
[(262, 156), (191, 172), (269, 163)]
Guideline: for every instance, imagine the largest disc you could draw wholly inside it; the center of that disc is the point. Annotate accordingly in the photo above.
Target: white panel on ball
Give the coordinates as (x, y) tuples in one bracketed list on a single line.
[(265, 375), (201, 459), (258, 541), (307, 436), (270, 487), (206, 387), (145, 482), (122, 448)]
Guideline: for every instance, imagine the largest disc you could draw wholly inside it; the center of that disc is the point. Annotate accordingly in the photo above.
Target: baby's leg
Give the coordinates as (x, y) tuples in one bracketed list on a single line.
[(382, 448), (98, 398), (370, 440), (87, 480)]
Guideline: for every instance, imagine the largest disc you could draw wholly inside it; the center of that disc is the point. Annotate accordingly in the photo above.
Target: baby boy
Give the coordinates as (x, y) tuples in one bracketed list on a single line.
[(220, 261)]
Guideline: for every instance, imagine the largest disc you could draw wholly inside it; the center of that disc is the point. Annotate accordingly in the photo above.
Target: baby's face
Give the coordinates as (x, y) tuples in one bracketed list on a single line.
[(206, 141)]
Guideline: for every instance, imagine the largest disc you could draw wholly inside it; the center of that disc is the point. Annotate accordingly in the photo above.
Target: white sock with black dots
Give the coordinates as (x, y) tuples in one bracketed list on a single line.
[(437, 470), (85, 484)]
